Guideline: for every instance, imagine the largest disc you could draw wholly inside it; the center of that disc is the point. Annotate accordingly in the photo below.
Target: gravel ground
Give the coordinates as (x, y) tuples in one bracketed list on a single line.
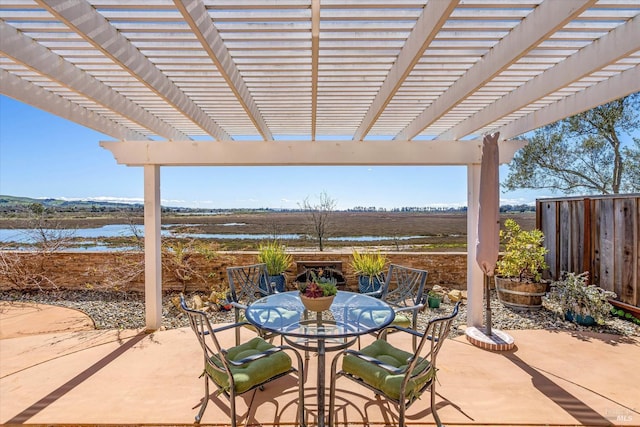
[(118, 310)]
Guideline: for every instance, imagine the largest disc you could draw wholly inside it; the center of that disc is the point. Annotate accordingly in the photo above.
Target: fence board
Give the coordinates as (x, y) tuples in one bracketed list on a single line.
[(624, 253), (548, 227), (599, 234), (565, 236)]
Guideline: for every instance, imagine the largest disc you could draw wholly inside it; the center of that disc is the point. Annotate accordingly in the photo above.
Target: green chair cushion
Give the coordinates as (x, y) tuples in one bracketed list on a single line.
[(402, 321), (253, 373), (381, 379)]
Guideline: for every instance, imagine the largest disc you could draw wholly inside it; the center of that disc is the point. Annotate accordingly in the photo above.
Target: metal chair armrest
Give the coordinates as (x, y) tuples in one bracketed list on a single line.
[(230, 326), (410, 308), (238, 305), (253, 357), (376, 362), (400, 328), (374, 293)]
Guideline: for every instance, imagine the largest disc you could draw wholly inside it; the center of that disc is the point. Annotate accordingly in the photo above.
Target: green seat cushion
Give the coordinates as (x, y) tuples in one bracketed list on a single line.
[(380, 378), (402, 321), (253, 373)]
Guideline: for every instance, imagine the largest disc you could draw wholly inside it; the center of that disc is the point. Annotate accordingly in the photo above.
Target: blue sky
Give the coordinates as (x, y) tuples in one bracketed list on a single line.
[(42, 155)]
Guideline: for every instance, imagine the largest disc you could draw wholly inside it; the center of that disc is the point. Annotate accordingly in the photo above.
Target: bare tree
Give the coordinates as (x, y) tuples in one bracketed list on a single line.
[(45, 235), (319, 215)]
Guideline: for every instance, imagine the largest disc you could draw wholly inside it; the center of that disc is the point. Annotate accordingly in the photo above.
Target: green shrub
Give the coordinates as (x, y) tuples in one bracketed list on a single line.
[(524, 254), (274, 256)]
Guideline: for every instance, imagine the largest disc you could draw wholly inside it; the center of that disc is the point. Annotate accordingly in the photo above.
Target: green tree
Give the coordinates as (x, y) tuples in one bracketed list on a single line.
[(584, 153)]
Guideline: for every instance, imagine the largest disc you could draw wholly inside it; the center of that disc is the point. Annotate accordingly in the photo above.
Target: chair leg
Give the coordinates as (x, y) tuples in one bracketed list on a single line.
[(433, 404), (300, 390), (205, 400), (332, 391)]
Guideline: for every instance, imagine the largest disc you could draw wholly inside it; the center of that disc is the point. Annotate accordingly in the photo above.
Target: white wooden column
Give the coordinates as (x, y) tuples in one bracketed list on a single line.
[(475, 288), (152, 248)]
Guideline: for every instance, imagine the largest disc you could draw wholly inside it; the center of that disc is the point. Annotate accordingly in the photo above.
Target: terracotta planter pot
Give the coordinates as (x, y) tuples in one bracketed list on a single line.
[(317, 304), (520, 295)]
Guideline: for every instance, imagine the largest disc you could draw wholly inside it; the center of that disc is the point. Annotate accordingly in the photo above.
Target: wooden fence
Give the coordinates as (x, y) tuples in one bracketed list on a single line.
[(598, 234)]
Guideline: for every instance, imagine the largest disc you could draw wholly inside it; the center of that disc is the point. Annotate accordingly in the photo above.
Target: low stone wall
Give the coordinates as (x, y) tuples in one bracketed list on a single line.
[(125, 270)]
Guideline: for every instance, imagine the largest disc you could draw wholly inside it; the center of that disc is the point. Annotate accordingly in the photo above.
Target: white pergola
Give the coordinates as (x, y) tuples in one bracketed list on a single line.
[(410, 82)]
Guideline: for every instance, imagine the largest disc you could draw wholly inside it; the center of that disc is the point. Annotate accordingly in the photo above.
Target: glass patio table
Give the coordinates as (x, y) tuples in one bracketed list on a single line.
[(350, 316)]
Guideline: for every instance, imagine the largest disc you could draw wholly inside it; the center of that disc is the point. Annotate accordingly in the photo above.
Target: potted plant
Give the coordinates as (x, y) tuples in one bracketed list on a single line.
[(369, 267), (434, 298), (580, 302), (519, 283), (318, 293), (273, 255)]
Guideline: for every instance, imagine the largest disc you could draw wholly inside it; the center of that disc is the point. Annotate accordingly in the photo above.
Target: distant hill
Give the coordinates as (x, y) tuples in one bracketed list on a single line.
[(15, 202)]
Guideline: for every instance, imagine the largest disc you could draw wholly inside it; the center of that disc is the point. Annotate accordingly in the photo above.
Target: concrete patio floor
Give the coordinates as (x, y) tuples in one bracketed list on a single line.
[(74, 375)]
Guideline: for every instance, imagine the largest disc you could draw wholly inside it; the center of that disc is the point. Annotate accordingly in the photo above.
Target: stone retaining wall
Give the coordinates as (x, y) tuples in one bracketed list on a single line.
[(125, 270)]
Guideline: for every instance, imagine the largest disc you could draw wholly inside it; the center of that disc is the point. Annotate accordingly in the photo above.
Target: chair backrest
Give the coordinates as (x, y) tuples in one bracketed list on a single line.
[(434, 335), (249, 283), (201, 326), (404, 286)]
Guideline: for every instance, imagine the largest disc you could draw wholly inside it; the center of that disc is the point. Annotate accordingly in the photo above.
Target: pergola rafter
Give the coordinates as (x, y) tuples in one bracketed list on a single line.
[(617, 44), (196, 15), (31, 94), (535, 28), (24, 50), (430, 22), (96, 29)]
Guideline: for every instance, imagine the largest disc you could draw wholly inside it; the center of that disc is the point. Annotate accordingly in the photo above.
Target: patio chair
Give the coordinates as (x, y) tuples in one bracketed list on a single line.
[(398, 375), (242, 368), (247, 284), (403, 290)]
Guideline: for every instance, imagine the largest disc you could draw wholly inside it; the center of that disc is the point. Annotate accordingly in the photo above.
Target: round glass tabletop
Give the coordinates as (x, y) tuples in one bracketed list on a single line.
[(350, 315)]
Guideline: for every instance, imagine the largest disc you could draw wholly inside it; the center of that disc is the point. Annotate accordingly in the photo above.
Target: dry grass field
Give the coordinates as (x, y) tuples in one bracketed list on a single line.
[(416, 231)]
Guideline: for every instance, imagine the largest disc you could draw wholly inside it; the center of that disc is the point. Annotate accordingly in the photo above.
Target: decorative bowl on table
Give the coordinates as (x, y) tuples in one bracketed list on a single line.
[(317, 304), (318, 293)]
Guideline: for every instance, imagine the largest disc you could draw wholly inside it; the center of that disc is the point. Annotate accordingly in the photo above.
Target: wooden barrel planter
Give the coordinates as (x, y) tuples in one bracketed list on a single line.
[(520, 295)]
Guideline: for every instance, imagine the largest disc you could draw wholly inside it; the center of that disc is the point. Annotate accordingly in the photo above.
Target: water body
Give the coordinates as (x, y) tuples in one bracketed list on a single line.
[(124, 230)]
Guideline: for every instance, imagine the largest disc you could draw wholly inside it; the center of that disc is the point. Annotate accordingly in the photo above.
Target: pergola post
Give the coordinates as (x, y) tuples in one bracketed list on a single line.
[(475, 292), (152, 248)]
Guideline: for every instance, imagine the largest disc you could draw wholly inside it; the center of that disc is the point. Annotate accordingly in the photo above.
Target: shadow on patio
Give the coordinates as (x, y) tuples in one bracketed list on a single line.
[(128, 377)]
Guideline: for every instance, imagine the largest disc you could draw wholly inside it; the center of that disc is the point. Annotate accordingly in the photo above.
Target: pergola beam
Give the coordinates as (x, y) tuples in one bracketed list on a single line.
[(431, 20), (195, 13), (546, 19), (30, 94), (617, 44), (26, 51), (304, 153), (616, 87), (96, 29)]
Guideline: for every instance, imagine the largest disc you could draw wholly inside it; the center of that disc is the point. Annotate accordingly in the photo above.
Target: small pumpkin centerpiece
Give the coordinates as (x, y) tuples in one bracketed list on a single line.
[(318, 293), (519, 282)]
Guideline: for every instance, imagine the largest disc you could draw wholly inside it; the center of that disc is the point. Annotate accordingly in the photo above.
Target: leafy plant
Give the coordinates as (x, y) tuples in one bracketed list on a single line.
[(319, 286), (369, 264), (435, 294), (618, 312), (573, 294), (274, 256), (524, 253)]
